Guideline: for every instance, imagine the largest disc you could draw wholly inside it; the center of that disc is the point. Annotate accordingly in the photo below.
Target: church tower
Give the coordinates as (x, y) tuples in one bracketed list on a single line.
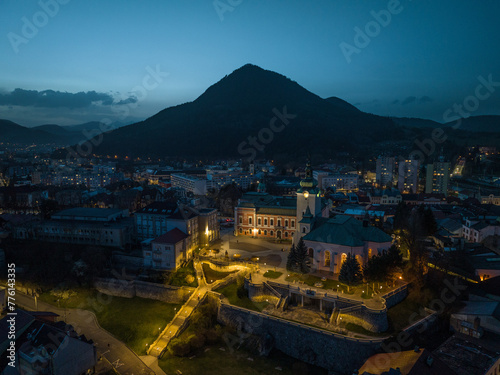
[(308, 204)]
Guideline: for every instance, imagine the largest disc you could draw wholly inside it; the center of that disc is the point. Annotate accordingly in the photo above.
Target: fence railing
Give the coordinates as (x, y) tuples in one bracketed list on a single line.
[(303, 326)]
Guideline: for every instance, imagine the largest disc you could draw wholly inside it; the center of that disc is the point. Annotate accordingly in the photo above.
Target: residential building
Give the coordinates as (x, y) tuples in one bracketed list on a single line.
[(384, 171), (466, 355), (408, 175), (438, 177), (491, 199), (219, 178), (194, 184), (478, 230), (385, 197), (340, 182), (476, 317), (88, 226), (52, 348), (168, 251), (158, 218)]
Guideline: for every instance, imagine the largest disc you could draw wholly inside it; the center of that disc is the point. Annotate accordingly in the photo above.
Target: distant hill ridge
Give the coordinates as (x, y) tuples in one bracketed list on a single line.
[(243, 115)]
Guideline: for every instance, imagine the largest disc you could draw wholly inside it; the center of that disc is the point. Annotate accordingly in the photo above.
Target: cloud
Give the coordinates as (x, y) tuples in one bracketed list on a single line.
[(425, 99), (409, 100), (57, 99), (413, 99)]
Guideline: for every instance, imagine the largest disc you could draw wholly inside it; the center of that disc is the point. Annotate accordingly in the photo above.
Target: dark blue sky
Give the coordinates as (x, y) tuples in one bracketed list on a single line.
[(421, 61)]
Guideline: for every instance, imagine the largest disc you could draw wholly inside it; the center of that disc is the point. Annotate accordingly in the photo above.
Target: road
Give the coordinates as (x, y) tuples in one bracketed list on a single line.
[(120, 356)]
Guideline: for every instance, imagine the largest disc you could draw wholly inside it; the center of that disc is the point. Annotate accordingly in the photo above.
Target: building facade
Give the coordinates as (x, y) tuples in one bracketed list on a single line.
[(87, 226), (384, 171), (168, 251), (438, 177), (195, 185), (408, 176), (158, 218), (330, 240)]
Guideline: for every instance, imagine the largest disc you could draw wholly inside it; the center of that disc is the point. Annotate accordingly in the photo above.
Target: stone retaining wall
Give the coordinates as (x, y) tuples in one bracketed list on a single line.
[(135, 288), (371, 320), (318, 347)]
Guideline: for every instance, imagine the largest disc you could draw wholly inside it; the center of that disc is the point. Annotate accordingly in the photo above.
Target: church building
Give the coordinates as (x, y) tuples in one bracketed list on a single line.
[(307, 216)]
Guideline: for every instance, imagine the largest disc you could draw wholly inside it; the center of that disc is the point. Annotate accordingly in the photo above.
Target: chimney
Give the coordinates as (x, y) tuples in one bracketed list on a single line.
[(429, 361), (477, 323)]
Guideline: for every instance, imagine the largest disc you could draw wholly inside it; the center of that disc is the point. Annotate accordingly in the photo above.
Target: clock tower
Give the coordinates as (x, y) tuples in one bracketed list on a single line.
[(308, 203)]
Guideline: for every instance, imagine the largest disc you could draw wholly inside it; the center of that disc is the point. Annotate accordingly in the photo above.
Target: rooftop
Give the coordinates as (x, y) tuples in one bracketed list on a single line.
[(466, 356), (346, 231), (410, 362), (82, 213), (171, 237)]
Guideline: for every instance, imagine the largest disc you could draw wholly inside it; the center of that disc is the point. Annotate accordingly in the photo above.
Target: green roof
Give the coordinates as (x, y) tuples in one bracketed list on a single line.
[(287, 211), (346, 231)]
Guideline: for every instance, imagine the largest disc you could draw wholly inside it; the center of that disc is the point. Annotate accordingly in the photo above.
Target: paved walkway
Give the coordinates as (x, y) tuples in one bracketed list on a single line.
[(158, 348), (248, 247), (375, 302), (119, 355)]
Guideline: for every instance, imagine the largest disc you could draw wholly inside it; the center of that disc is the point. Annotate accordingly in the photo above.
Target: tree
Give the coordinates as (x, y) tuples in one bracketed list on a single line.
[(298, 259), (350, 272), (383, 266), (429, 221), (291, 260), (401, 216)]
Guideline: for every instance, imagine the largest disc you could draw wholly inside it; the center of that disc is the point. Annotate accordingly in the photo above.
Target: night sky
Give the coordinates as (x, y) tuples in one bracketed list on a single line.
[(74, 61)]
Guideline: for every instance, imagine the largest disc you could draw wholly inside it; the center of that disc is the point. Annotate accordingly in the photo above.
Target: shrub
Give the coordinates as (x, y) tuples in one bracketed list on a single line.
[(179, 347), (213, 335), (241, 292), (196, 341)]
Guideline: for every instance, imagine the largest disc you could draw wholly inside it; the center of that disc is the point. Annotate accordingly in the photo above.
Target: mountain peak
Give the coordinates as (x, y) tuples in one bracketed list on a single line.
[(250, 84)]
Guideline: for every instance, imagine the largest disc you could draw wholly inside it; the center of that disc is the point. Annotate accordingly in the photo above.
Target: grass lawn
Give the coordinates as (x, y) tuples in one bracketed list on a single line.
[(311, 280), (399, 315), (135, 321), (272, 274), (184, 276), (212, 275), (356, 328), (231, 293), (213, 361)]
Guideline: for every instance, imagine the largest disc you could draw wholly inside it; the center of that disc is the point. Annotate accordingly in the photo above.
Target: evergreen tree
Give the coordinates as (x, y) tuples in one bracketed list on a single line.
[(350, 272), (383, 266), (298, 259), (291, 259), (303, 264)]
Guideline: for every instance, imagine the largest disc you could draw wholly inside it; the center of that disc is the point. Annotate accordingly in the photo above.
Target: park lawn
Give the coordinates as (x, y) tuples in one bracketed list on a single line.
[(411, 309), (400, 314), (213, 361), (135, 321), (310, 280), (212, 275), (231, 293), (272, 274), (182, 275)]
